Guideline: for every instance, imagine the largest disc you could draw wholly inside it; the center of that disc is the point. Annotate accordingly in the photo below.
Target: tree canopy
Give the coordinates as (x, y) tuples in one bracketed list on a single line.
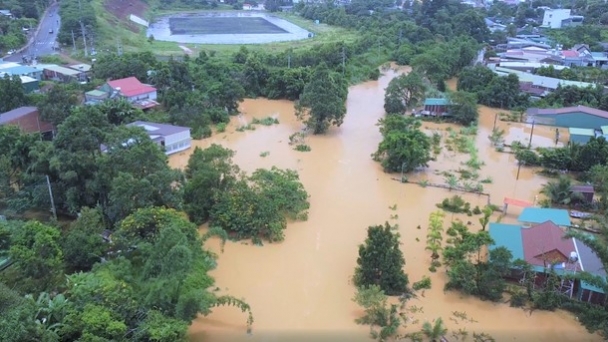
[(404, 147)]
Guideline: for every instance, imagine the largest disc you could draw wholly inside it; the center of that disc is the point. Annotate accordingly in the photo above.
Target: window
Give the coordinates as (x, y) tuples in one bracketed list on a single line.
[(550, 16)]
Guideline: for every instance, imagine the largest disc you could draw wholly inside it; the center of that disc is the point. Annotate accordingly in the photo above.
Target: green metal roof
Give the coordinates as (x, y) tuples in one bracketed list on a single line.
[(587, 286), (581, 131), (508, 236), (436, 102), (96, 93), (539, 215)]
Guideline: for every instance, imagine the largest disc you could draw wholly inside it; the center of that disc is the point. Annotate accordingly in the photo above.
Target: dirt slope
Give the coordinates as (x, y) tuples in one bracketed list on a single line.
[(122, 9)]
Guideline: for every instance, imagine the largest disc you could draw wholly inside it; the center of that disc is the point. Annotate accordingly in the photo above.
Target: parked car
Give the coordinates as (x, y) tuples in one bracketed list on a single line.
[(51, 31)]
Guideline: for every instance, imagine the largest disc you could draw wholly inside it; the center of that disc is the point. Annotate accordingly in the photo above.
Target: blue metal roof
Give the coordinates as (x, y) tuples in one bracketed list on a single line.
[(508, 236), (20, 70), (539, 215), (436, 102)]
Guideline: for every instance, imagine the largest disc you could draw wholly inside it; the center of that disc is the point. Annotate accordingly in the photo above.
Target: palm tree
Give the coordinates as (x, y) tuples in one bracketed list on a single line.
[(434, 331), (559, 191)]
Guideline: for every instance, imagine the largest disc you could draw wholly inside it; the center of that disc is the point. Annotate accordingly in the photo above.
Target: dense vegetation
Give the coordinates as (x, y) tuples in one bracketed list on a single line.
[(25, 16)]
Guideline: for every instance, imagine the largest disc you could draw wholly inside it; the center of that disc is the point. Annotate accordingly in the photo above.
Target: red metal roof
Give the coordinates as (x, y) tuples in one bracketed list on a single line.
[(545, 239), (131, 86), (570, 53)]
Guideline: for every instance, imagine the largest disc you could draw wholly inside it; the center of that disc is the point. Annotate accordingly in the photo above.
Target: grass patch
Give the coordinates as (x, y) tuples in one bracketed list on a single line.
[(264, 154), (267, 121), (53, 59), (247, 127), (302, 148), (221, 127)]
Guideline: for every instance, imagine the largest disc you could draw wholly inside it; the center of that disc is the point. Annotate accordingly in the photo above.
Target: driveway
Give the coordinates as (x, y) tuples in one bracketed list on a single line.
[(44, 41)]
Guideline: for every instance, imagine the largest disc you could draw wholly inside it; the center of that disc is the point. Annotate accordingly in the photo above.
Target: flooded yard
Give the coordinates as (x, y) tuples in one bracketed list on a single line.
[(300, 290)]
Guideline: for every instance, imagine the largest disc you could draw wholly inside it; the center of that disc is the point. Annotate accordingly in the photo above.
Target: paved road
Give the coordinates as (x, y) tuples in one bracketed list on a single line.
[(44, 41)]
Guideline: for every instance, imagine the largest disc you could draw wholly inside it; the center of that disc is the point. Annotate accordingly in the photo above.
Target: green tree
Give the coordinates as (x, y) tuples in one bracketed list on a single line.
[(559, 191), (12, 94), (381, 262), (18, 314), (377, 312), (463, 107), (36, 250), (403, 92), (83, 245), (323, 101), (434, 331), (57, 104), (404, 147)]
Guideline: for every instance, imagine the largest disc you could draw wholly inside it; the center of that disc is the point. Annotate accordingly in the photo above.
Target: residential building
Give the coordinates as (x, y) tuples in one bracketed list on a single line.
[(580, 135), (172, 139), (29, 84), (533, 215), (21, 70), (558, 18), (84, 69), (26, 118), (544, 246), (131, 89), (576, 117), (437, 106), (58, 73), (6, 13)]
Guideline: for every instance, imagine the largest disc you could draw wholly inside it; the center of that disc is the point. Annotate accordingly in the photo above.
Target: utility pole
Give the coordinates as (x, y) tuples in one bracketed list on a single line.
[(73, 41), (289, 61), (531, 133), (84, 36), (53, 210), (118, 47)]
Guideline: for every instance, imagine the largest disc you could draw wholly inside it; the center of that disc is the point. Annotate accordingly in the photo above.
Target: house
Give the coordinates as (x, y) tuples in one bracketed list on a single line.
[(84, 69), (558, 18), (437, 106), (95, 96), (131, 89), (27, 119), (6, 13), (29, 84), (578, 116), (586, 191), (21, 70), (533, 215), (247, 7), (172, 138), (59, 73), (529, 66), (545, 247), (580, 135)]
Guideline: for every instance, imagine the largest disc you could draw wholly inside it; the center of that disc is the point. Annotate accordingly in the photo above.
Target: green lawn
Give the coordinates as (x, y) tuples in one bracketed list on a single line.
[(112, 33)]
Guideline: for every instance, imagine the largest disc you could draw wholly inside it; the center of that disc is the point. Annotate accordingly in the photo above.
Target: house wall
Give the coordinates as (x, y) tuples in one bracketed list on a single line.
[(579, 139), (177, 142), (30, 87), (437, 109), (146, 96), (575, 119), (29, 123), (553, 18)]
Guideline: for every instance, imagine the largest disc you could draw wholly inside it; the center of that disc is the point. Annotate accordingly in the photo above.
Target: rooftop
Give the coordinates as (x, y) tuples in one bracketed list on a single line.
[(131, 86), (96, 93), (16, 113), (61, 70), (567, 110), (559, 217), (509, 236), (158, 129), (436, 102), (544, 244), (581, 131), (80, 67), (19, 70)]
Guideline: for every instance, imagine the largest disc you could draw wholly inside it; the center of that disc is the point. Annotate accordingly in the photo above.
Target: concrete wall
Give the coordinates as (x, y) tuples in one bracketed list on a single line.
[(177, 142), (146, 96)]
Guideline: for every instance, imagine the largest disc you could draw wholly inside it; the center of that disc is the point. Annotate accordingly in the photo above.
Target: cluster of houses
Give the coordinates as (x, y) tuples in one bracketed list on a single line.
[(539, 238), (171, 138), (582, 122), (31, 75)]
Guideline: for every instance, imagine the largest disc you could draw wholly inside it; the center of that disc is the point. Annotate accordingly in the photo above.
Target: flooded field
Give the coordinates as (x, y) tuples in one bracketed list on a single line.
[(300, 290)]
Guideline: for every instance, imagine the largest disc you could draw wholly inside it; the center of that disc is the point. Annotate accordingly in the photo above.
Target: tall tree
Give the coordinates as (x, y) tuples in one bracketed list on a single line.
[(323, 101), (404, 92), (381, 262), (404, 147), (463, 107), (12, 94)]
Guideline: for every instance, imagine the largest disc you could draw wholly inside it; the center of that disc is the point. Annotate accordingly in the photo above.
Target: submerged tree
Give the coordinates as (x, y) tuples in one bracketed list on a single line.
[(404, 147), (404, 92), (323, 101), (377, 312), (381, 261)]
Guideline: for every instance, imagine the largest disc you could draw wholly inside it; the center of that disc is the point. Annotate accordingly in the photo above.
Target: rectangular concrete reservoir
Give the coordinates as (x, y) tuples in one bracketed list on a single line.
[(223, 25)]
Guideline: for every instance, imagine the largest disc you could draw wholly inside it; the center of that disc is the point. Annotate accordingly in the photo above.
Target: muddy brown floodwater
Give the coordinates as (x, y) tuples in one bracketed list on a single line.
[(300, 289)]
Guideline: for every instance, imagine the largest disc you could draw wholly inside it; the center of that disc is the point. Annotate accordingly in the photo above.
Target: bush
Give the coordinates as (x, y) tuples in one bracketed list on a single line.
[(424, 283), (518, 299), (221, 127), (527, 157)]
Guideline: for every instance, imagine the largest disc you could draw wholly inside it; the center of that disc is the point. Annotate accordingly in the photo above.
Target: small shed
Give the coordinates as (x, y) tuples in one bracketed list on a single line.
[(95, 96), (531, 216), (27, 119), (586, 191), (437, 106), (580, 135)]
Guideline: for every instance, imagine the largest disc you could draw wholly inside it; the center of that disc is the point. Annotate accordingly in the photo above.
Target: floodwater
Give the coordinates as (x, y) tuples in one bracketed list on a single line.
[(161, 31), (300, 289)]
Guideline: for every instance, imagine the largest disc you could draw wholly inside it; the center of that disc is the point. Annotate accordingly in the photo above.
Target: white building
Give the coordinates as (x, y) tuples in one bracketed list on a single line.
[(558, 18), (172, 138)]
